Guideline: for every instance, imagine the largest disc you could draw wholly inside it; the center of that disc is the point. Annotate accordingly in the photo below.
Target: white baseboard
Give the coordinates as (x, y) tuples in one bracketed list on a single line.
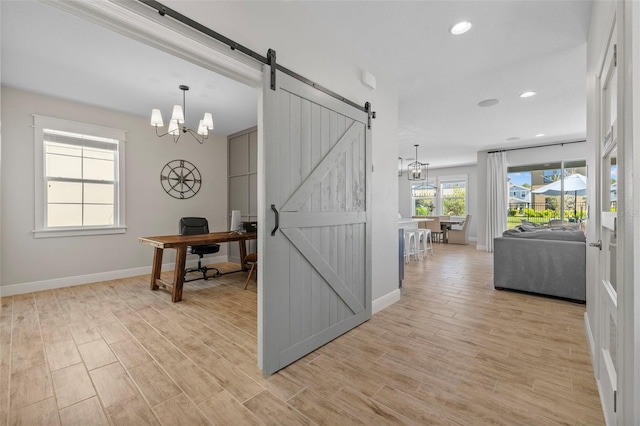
[(384, 301), (13, 289), (481, 247)]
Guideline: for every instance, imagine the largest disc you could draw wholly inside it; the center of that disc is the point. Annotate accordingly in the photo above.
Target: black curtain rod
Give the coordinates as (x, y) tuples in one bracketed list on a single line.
[(167, 11), (536, 146)]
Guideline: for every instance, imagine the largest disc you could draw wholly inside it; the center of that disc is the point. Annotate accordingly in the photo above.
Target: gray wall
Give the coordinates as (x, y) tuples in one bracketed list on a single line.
[(149, 210)]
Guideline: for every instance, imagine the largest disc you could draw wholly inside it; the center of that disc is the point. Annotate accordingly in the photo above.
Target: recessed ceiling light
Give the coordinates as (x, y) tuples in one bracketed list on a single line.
[(539, 135), (488, 102), (513, 139), (460, 28), (527, 94)]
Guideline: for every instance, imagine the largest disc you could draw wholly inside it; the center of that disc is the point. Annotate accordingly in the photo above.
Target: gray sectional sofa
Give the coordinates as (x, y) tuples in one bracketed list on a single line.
[(543, 260)]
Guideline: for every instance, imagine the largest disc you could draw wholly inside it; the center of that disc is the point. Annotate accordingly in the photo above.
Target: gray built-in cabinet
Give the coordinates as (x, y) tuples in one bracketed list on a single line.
[(243, 181)]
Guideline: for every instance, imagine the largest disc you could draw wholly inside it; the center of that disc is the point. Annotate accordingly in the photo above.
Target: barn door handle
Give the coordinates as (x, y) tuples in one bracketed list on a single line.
[(273, 207)]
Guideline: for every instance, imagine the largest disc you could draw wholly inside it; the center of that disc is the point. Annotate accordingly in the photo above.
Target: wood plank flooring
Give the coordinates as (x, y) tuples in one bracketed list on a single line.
[(452, 351)]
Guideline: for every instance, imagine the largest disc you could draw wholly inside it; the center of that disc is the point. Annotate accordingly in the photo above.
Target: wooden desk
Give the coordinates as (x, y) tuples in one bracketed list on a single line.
[(180, 244), (445, 225)]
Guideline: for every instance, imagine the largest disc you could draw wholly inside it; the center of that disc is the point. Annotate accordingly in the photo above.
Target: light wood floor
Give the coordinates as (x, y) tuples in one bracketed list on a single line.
[(452, 351)]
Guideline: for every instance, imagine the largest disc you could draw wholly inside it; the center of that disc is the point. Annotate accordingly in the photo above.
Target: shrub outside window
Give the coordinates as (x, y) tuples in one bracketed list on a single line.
[(448, 196), (454, 197)]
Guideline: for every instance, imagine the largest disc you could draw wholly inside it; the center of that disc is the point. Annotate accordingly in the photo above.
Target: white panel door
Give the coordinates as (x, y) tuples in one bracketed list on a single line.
[(607, 285), (316, 282)]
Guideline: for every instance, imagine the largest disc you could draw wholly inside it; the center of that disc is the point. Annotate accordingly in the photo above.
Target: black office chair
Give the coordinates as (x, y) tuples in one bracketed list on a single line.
[(197, 226)]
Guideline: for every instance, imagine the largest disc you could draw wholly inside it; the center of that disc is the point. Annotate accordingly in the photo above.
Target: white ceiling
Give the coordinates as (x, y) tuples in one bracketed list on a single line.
[(514, 46)]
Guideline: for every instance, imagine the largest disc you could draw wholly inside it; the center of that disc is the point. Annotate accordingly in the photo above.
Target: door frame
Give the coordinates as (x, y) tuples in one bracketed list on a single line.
[(623, 14), (139, 22), (629, 220)]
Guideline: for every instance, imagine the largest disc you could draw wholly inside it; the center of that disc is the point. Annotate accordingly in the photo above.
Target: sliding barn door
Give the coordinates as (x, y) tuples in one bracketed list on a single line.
[(316, 248)]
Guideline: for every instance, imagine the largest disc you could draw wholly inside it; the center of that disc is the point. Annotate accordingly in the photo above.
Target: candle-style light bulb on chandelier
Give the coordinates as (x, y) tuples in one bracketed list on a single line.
[(417, 170), (176, 124)]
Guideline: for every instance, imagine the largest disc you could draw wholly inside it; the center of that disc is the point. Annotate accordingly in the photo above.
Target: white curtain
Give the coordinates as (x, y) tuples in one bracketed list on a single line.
[(497, 196)]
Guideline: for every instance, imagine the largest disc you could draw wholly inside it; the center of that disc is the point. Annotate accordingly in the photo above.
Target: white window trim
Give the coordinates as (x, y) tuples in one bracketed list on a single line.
[(40, 123)]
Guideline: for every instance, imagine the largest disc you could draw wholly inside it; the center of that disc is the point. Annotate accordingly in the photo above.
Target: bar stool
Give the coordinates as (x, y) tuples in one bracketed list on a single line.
[(424, 241), (420, 246), (410, 245)]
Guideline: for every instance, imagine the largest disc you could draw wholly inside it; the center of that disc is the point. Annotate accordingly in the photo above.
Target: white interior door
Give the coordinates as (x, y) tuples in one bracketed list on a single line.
[(316, 250), (607, 285)]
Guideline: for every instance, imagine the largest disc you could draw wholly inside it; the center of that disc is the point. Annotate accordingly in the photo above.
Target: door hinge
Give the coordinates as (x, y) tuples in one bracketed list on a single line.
[(615, 400), (615, 55)]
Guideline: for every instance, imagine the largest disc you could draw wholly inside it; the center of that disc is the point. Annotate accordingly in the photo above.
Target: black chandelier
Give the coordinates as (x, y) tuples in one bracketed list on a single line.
[(417, 170), (176, 124)]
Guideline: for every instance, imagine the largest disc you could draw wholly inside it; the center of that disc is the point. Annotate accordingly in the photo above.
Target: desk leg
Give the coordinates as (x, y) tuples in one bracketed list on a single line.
[(156, 268), (178, 273), (243, 253)]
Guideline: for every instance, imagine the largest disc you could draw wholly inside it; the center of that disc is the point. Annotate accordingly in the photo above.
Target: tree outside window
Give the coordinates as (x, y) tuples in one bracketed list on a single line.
[(424, 199), (454, 196)]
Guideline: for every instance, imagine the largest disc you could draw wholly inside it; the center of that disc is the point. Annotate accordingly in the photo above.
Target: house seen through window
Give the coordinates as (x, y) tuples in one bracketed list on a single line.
[(547, 193)]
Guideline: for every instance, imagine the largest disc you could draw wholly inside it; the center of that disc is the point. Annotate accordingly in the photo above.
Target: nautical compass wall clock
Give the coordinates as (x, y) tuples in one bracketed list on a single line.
[(180, 179)]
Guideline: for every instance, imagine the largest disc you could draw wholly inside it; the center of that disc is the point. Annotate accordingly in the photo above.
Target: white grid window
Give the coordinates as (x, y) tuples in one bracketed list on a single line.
[(82, 179)]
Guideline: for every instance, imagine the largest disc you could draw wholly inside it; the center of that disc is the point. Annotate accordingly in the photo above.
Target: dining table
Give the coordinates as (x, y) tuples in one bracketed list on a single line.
[(411, 222), (445, 225)]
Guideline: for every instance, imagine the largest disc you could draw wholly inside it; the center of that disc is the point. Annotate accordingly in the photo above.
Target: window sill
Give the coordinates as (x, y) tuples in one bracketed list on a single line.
[(76, 232)]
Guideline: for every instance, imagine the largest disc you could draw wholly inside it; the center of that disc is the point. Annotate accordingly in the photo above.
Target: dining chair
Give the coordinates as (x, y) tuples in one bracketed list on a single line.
[(434, 226), (460, 236)]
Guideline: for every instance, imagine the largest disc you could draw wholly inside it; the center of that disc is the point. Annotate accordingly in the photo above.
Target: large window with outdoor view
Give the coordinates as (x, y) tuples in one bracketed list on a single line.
[(446, 196), (549, 193), (454, 197)]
